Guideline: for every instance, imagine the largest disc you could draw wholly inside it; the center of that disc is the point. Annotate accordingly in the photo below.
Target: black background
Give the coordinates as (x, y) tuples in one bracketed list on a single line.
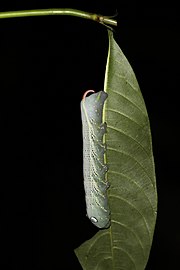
[(46, 64)]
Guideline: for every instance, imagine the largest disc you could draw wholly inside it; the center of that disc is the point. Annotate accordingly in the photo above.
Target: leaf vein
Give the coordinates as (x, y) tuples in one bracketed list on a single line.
[(105, 258), (128, 255), (126, 79), (127, 154), (132, 231), (95, 240), (127, 135), (145, 222), (126, 116), (135, 183), (129, 100)]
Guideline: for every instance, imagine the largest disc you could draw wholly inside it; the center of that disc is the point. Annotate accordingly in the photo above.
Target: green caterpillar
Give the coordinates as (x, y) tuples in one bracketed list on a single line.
[(94, 167)]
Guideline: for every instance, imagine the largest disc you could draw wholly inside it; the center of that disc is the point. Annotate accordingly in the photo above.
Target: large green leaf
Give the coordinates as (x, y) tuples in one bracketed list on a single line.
[(132, 194)]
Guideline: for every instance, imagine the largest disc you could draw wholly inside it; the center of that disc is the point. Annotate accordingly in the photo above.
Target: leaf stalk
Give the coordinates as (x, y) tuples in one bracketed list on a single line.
[(59, 11)]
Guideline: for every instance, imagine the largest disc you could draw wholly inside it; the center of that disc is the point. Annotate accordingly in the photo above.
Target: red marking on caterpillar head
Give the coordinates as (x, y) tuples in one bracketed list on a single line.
[(87, 92)]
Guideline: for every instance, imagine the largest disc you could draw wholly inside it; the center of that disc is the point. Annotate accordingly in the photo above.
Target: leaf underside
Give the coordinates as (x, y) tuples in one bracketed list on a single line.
[(132, 194)]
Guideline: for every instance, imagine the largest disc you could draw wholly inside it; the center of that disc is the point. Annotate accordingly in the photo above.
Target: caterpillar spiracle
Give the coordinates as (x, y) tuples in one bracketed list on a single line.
[(94, 165)]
